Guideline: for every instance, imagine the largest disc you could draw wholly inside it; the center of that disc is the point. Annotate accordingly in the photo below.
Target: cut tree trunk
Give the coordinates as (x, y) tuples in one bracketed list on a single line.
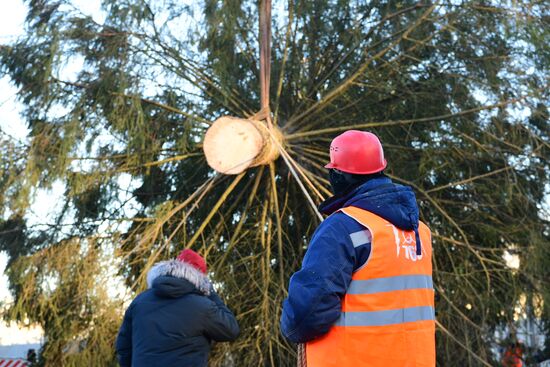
[(231, 144)]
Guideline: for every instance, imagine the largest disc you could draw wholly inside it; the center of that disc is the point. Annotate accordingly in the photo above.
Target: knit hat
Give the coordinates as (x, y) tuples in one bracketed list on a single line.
[(191, 257)]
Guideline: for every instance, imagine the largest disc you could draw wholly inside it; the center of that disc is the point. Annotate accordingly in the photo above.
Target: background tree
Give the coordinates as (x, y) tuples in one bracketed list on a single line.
[(117, 111)]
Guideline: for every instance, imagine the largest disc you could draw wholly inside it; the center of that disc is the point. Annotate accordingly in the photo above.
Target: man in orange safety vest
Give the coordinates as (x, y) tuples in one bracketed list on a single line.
[(513, 355), (364, 295)]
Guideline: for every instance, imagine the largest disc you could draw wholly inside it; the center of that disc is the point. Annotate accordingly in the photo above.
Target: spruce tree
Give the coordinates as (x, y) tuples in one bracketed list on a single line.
[(117, 112)]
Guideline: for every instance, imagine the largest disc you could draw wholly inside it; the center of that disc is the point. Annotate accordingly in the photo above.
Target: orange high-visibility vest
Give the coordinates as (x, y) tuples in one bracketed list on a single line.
[(512, 357), (387, 317)]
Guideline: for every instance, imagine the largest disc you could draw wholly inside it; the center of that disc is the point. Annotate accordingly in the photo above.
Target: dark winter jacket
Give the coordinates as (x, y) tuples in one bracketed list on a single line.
[(315, 291), (174, 321)]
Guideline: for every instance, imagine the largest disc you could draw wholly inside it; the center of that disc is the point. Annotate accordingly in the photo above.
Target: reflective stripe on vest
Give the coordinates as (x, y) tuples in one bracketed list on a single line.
[(387, 316), (388, 284)]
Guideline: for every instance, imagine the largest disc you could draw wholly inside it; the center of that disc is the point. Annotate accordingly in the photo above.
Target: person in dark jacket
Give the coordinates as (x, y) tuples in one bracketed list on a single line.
[(341, 246), (174, 321)]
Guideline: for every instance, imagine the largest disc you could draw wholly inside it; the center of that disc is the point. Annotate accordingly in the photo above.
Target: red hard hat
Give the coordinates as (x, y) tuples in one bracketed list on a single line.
[(192, 258), (357, 152)]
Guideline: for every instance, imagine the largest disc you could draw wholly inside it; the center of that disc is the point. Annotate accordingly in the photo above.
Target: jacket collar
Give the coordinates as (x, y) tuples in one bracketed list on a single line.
[(394, 203), (181, 270), (337, 202)]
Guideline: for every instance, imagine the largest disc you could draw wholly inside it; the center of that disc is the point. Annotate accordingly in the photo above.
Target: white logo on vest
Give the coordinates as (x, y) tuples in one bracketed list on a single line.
[(405, 240)]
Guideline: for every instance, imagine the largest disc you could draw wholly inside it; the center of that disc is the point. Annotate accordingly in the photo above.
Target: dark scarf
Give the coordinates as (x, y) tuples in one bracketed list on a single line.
[(342, 182)]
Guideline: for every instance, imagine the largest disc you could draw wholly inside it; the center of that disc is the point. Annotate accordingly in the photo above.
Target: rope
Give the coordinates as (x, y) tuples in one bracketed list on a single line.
[(301, 360), (265, 57)]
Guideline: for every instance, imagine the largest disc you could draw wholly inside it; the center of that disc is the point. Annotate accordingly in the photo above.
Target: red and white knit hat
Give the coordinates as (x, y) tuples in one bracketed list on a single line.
[(194, 259)]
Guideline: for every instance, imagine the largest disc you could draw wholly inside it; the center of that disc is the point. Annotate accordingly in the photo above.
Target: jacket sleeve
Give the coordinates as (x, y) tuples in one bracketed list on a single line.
[(316, 290), (124, 340), (221, 325)]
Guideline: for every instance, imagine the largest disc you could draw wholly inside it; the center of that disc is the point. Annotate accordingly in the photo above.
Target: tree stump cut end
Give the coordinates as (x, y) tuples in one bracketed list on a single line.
[(231, 145)]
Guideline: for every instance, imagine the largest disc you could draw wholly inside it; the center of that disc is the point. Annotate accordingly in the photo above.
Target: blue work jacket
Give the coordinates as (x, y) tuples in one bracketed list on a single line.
[(336, 251)]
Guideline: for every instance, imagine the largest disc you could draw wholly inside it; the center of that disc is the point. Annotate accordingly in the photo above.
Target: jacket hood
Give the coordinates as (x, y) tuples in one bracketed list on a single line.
[(395, 203), (173, 278)]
